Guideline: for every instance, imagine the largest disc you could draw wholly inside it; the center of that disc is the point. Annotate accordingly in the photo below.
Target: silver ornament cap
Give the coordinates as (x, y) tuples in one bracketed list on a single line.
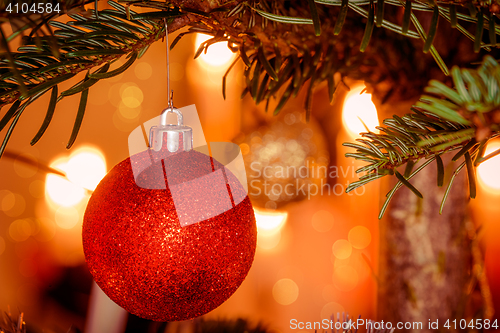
[(174, 138)]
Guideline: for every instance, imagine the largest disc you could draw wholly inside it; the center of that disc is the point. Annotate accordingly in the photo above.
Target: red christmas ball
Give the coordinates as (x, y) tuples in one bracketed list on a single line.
[(172, 251)]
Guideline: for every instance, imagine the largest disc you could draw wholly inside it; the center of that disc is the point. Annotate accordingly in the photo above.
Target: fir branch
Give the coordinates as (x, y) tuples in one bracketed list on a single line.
[(13, 325), (277, 67), (84, 43), (445, 120), (311, 61)]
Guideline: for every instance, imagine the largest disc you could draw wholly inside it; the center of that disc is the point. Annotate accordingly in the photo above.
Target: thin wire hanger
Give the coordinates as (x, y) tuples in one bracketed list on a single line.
[(170, 93), (173, 131)]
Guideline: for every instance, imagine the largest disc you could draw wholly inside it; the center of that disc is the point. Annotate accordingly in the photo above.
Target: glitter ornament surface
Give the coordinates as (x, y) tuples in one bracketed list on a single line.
[(141, 256)]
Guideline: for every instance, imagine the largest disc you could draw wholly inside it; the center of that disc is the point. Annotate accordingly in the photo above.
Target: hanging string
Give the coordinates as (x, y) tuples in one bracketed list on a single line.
[(170, 93)]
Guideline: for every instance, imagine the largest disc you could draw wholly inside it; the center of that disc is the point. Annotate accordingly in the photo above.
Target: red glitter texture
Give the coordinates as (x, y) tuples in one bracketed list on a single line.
[(143, 259)]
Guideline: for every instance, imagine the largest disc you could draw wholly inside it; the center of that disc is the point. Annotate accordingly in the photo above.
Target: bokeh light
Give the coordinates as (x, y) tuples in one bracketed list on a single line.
[(122, 123), (129, 113), (331, 308), (20, 230), (132, 96), (269, 225), (60, 190), (487, 171), (12, 204), (36, 188), (339, 262), (7, 200), (342, 249), (285, 291), (270, 222), (322, 221), (125, 93), (218, 54), (143, 70), (359, 237), (84, 169), (358, 109)]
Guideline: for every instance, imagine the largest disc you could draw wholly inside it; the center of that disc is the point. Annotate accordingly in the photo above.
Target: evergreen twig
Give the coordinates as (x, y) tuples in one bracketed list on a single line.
[(444, 120), (277, 68)]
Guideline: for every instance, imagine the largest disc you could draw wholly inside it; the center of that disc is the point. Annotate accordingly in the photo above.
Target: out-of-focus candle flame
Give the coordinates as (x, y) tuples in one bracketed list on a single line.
[(488, 171), (270, 222), (269, 225), (359, 109), (60, 190), (218, 54), (84, 170)]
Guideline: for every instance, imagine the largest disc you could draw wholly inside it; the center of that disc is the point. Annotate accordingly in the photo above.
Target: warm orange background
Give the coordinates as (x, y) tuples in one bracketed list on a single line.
[(303, 254)]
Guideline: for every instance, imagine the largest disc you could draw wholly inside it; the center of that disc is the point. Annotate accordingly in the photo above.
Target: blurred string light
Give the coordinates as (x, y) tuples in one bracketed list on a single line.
[(21, 229), (217, 55), (143, 70), (12, 204), (269, 225), (350, 267), (285, 291), (342, 249), (359, 109), (84, 170), (488, 171), (127, 98), (359, 237), (322, 221), (332, 309)]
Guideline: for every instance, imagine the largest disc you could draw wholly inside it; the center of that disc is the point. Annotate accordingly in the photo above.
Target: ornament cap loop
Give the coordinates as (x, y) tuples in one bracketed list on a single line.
[(174, 138)]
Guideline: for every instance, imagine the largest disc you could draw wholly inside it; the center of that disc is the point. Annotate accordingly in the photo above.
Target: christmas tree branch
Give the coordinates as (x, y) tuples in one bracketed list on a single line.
[(284, 45), (84, 43), (462, 119)]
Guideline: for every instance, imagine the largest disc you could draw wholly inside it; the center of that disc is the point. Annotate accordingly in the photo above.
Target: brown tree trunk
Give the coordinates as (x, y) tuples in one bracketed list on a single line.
[(424, 256)]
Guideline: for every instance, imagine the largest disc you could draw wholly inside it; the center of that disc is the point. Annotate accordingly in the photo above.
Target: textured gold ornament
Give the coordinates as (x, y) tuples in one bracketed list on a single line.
[(286, 161)]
